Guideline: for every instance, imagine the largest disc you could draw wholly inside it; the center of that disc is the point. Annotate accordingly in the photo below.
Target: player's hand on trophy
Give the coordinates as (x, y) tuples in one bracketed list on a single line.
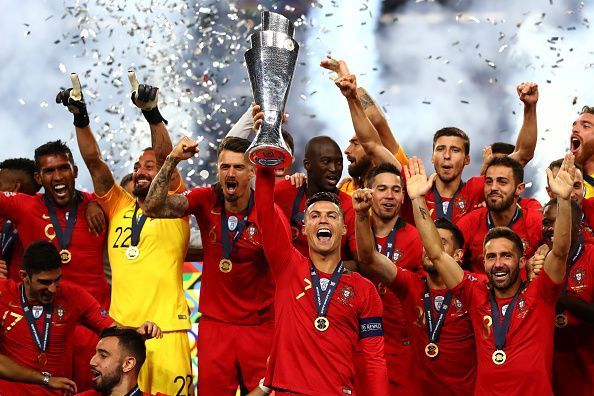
[(73, 99), (347, 85), (338, 67), (297, 179), (145, 97), (258, 116), (417, 183), (528, 93), (535, 263), (150, 330), (362, 199), (186, 148)]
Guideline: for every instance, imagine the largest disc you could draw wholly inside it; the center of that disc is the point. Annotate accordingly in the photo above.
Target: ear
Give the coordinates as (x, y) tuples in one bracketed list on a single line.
[(23, 275), (522, 262), (467, 159), (549, 192), (75, 171), (306, 164), (344, 229), (251, 171), (520, 189), (37, 178), (129, 364), (458, 255)]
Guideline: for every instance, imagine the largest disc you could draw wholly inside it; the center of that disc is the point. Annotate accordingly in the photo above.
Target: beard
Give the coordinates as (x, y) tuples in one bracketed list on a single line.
[(108, 380), (360, 167), (501, 206), (511, 280), (140, 192), (231, 198)]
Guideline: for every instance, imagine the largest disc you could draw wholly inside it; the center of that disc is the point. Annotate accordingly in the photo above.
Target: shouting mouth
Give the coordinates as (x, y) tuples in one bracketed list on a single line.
[(324, 235)]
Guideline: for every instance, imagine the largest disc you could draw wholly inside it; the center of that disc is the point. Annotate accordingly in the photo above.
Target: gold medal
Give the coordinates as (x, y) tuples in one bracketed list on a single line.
[(431, 350), (42, 359), (65, 256), (499, 357), (321, 323), (132, 253), (225, 265), (560, 321)]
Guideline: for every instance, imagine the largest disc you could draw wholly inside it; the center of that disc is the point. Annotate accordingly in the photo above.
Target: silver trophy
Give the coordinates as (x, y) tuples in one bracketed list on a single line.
[(271, 63)]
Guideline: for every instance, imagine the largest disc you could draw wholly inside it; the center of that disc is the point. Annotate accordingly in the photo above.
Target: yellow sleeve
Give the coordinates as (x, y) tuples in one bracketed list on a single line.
[(401, 155), (114, 199)]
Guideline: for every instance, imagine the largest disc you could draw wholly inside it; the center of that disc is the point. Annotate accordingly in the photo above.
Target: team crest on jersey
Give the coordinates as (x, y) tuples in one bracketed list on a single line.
[(521, 307), (252, 230), (578, 277), (458, 305), (462, 204), (438, 302), (61, 312), (37, 311), (345, 294), (397, 255)]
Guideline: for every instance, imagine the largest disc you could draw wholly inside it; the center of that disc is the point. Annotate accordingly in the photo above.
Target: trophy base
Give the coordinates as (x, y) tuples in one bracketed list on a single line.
[(270, 156)]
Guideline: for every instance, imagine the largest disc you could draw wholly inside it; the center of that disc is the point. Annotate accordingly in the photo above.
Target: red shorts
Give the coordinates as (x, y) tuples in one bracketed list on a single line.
[(231, 355)]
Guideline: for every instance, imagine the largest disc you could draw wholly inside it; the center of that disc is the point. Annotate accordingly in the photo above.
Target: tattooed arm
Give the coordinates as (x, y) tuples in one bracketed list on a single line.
[(377, 118), (157, 203), (417, 186)]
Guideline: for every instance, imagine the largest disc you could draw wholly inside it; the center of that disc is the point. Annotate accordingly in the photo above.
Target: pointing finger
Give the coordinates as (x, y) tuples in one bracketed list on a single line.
[(76, 90), (133, 80)]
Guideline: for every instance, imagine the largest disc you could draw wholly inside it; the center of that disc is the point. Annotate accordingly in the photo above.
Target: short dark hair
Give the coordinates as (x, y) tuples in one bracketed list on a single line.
[(558, 162), (385, 167), (234, 144), (576, 209), (506, 233), (130, 341), (446, 224), (56, 147), (25, 166), (125, 180), (453, 131), (315, 142), (325, 196), (508, 162), (587, 110), (289, 140), (502, 148), (41, 256)]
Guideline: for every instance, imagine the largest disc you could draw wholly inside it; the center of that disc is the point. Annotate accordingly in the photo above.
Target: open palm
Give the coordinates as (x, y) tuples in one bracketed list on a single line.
[(562, 184), (417, 183)]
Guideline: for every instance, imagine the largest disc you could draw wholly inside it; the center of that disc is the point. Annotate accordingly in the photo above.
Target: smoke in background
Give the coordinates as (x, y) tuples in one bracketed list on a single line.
[(428, 64)]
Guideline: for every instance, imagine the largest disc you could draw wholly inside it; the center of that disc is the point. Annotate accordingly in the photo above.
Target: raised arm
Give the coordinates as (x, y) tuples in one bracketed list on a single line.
[(561, 185), (370, 260), (243, 126), (417, 186), (146, 98), (364, 129), (157, 202), (526, 141), (73, 99)]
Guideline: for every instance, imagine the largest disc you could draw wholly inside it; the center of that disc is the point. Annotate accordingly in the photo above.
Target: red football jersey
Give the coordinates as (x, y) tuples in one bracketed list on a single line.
[(284, 196), (573, 364), (529, 341), (407, 253), (529, 203), (453, 370), (588, 219), (245, 295), (303, 359), (93, 392), (470, 195), (475, 225), (32, 220), (72, 305)]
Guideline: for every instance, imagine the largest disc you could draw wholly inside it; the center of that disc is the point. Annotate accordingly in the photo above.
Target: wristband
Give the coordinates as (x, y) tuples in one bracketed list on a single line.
[(154, 116), (81, 119)]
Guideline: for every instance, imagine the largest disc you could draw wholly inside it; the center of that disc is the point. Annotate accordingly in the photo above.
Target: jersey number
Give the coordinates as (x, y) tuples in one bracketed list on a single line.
[(125, 234), (184, 380)]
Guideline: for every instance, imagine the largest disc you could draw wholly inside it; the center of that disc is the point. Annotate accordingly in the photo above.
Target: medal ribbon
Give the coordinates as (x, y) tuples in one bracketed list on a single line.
[(322, 298), (134, 392), (296, 215), (516, 216), (226, 233), (64, 236), (439, 203), (500, 330), (48, 312), (390, 240), (9, 235), (433, 329), (137, 225), (571, 262)]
